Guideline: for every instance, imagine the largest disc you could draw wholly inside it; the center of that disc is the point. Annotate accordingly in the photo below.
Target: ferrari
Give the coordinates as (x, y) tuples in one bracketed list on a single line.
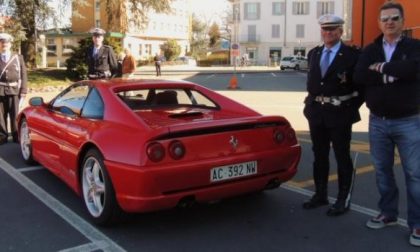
[(146, 145)]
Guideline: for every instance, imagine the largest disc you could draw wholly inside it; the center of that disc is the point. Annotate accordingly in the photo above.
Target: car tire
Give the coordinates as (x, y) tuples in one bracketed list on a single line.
[(297, 67), (282, 68), (25, 143), (98, 192)]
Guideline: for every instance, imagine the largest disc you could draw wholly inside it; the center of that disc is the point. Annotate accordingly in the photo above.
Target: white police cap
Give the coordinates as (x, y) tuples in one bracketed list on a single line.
[(97, 31), (330, 20), (6, 37)]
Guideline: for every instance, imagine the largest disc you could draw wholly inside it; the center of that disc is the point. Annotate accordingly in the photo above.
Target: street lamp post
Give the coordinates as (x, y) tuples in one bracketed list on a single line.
[(236, 32)]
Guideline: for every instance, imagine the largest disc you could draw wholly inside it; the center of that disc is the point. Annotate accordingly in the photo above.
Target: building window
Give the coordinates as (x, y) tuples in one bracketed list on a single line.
[(67, 48), (299, 51), (325, 7), (275, 31), (148, 49), (300, 31), (252, 11), (97, 6), (140, 49), (98, 23), (300, 8), (51, 47), (278, 8)]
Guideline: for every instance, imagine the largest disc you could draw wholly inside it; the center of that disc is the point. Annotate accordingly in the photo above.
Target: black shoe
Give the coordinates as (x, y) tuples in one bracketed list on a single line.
[(338, 208), (15, 137), (3, 140), (315, 201)]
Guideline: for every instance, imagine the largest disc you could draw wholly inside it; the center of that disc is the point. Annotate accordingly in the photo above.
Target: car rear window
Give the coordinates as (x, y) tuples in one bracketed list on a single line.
[(152, 98)]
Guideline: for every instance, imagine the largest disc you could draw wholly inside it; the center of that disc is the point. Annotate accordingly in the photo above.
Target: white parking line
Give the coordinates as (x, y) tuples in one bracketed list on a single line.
[(32, 168), (242, 75), (354, 207), (211, 76), (90, 232), (273, 74), (86, 247)]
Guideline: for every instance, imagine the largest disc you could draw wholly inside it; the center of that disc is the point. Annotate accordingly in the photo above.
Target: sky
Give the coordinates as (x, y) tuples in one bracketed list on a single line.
[(210, 10)]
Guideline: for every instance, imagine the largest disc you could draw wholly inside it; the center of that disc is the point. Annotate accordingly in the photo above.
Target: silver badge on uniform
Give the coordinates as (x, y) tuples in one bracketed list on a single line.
[(343, 77)]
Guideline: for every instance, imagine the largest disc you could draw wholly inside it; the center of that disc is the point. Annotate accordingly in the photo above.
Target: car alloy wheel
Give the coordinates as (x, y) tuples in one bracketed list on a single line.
[(98, 193), (25, 143)]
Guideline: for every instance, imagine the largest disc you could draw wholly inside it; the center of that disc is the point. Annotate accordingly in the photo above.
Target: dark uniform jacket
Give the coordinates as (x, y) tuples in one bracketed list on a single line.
[(105, 63), (385, 97), (13, 79), (338, 81)]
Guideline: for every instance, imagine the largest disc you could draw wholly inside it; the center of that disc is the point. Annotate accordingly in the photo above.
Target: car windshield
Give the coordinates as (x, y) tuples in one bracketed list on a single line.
[(287, 58), (172, 97)]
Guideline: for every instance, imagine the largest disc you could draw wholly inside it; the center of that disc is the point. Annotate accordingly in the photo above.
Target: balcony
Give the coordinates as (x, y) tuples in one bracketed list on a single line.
[(250, 38)]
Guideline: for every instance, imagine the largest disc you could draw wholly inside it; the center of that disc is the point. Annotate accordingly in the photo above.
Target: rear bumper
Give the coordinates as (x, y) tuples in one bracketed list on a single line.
[(148, 189)]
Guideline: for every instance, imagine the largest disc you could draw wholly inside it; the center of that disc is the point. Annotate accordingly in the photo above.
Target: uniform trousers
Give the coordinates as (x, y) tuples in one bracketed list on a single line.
[(322, 137), (9, 107)]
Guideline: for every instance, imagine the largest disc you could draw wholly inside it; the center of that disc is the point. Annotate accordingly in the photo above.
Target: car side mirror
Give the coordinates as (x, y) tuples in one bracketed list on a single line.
[(36, 101)]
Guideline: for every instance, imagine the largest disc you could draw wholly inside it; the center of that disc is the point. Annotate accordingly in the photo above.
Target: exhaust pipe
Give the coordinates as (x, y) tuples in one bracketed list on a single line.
[(272, 184), (186, 202)]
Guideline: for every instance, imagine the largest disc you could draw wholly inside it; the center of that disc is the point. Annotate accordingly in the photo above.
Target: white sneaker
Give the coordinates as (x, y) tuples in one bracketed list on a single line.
[(415, 237), (381, 221)]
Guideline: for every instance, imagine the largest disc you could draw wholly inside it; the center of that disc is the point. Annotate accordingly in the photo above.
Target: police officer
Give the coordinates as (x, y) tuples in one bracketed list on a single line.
[(101, 59), (13, 87), (331, 108)]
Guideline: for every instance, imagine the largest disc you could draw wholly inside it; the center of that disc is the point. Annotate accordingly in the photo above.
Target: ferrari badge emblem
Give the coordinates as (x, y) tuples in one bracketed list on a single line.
[(233, 141)]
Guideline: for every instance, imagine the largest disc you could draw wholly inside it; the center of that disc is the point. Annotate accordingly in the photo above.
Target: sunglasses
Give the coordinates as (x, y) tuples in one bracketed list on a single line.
[(394, 18)]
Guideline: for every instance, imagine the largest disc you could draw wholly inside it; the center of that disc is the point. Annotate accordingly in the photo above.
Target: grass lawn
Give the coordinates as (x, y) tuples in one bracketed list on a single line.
[(39, 78)]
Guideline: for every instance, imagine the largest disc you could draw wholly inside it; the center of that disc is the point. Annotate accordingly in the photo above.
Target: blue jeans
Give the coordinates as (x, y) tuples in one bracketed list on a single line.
[(384, 135)]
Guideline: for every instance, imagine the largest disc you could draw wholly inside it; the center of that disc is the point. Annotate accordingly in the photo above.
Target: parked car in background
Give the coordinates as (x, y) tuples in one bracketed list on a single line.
[(145, 145), (293, 62)]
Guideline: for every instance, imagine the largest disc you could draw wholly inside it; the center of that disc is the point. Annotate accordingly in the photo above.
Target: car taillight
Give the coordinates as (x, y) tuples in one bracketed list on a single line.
[(278, 136), (155, 152), (176, 150)]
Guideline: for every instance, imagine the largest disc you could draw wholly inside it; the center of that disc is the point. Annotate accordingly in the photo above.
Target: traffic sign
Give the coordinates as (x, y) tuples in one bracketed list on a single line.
[(235, 52), (235, 46)]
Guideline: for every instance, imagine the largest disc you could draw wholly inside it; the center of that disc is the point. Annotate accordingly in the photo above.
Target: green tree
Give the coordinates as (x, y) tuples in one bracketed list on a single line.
[(198, 39), (30, 15), (214, 34), (76, 64), (171, 49)]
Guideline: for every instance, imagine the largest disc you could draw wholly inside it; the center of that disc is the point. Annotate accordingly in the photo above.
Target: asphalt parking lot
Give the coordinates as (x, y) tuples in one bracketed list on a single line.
[(38, 212)]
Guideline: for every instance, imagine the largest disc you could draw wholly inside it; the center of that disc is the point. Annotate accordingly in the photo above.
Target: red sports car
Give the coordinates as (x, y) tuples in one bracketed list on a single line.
[(141, 145)]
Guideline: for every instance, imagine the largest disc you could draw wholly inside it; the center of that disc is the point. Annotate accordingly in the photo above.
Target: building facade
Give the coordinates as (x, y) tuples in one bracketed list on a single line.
[(266, 30), (143, 42), (269, 30)]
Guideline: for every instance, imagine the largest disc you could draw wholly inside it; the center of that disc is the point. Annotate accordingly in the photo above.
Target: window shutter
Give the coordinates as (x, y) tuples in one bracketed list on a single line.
[(246, 11), (331, 9), (295, 8), (319, 9), (258, 10), (306, 8)]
